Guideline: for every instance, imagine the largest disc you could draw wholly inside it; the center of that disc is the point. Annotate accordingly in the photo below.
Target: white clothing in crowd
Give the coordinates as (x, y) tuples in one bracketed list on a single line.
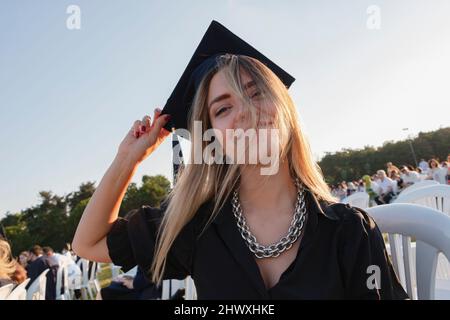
[(73, 271), (423, 165), (411, 177), (385, 185), (438, 174)]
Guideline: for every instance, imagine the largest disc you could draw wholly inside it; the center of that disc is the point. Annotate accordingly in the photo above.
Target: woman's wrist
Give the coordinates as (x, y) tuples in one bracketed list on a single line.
[(124, 161)]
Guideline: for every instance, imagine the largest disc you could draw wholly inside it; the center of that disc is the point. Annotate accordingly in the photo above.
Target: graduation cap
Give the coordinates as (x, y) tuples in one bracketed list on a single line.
[(216, 41)]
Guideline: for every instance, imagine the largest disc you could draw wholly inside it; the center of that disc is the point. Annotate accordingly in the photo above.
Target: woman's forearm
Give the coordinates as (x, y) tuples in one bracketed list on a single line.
[(103, 208)]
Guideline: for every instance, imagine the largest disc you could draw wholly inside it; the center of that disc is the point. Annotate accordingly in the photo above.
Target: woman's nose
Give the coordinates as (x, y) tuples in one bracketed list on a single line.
[(240, 117)]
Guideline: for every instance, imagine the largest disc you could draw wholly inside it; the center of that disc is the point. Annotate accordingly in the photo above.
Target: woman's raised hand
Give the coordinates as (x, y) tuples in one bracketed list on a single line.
[(144, 137)]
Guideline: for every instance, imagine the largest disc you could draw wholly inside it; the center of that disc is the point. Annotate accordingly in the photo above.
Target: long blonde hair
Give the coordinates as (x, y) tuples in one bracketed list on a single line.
[(7, 263), (199, 183)]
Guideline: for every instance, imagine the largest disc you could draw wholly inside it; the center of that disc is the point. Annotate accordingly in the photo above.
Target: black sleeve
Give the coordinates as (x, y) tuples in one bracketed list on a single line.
[(367, 270), (132, 242)]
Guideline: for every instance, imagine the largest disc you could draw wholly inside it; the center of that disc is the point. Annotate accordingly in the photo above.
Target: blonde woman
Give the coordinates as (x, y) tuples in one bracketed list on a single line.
[(7, 263), (239, 234)]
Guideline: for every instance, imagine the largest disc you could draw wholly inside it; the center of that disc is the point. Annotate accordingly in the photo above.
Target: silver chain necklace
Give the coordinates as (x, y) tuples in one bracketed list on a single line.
[(286, 242)]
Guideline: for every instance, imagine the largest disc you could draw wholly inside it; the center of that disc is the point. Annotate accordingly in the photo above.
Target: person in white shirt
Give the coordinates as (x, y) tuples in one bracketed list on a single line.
[(435, 172), (361, 187), (385, 188), (423, 165), (73, 271), (409, 177), (442, 173)]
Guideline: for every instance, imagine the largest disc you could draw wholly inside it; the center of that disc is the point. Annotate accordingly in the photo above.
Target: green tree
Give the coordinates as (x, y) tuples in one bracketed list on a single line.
[(349, 164)]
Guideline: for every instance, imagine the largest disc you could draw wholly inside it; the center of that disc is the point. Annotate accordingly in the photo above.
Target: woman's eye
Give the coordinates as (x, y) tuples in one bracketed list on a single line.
[(256, 94), (221, 110)]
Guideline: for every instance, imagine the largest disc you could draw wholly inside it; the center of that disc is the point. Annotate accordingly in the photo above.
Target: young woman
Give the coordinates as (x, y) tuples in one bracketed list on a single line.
[(239, 234)]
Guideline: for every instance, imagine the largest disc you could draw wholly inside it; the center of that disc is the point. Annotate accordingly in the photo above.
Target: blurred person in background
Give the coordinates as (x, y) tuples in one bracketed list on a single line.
[(397, 181), (24, 256), (423, 165), (385, 188), (390, 167), (7, 264), (409, 177), (436, 172), (38, 263)]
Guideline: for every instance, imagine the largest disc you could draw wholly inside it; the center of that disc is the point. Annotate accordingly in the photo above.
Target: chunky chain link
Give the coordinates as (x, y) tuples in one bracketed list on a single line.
[(286, 242)]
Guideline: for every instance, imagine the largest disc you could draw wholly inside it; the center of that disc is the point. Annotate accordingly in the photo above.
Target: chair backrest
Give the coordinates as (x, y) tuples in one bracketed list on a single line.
[(132, 272), (432, 196), (418, 185), (170, 287), (430, 228), (93, 272), (5, 290), (115, 270), (19, 292), (358, 199), (191, 292), (62, 280), (84, 267), (36, 291)]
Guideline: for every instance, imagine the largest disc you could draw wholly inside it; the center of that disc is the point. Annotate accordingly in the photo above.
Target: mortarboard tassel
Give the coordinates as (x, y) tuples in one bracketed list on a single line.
[(177, 159)]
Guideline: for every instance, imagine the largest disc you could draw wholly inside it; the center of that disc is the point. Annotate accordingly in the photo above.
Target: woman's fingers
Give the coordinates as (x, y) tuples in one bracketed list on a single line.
[(145, 124), (161, 121), (155, 125), (156, 114), (135, 128)]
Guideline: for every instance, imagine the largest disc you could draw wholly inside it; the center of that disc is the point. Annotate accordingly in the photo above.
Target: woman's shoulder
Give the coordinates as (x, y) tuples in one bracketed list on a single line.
[(347, 216)]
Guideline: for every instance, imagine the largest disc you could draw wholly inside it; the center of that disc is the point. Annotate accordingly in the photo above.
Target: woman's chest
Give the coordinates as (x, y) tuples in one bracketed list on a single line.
[(271, 269)]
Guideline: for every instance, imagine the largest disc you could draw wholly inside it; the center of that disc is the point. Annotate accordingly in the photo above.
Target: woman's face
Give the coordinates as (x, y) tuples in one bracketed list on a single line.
[(227, 111)]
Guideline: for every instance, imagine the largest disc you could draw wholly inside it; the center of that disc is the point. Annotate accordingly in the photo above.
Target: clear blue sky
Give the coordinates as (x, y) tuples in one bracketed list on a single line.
[(67, 97)]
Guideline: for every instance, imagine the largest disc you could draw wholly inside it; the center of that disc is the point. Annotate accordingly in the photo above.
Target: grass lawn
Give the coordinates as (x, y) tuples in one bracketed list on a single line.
[(104, 276)]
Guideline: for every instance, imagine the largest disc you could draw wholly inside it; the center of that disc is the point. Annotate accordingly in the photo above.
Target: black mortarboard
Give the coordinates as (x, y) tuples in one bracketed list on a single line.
[(217, 40)]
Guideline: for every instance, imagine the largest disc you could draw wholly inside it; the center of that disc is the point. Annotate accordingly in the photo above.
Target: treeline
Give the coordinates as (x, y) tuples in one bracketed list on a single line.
[(54, 220), (350, 164)]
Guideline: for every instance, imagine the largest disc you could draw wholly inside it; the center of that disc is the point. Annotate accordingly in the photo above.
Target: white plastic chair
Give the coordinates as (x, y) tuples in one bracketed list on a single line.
[(92, 282), (36, 291), (86, 291), (62, 279), (191, 293), (170, 287), (88, 284), (418, 185), (115, 270), (430, 228), (5, 290), (19, 292), (357, 199), (433, 196)]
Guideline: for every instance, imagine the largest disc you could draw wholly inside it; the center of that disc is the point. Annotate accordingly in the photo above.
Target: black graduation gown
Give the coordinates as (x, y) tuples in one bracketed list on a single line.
[(339, 245)]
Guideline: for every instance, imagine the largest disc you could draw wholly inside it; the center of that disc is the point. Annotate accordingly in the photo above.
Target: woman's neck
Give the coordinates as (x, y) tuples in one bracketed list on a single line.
[(265, 192)]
